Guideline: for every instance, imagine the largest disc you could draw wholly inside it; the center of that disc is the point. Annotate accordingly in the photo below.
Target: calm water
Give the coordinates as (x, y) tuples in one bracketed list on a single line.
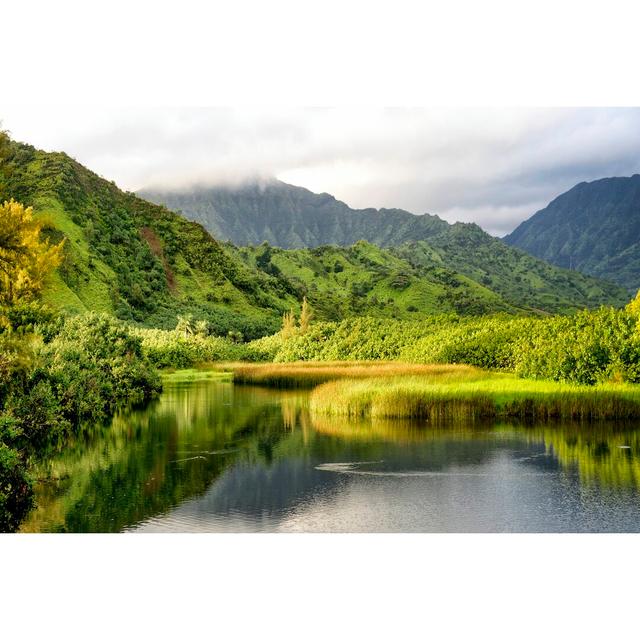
[(211, 456)]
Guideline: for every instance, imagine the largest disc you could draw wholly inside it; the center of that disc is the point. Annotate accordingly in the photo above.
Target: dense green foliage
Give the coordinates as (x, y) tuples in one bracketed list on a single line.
[(55, 377), (172, 349), (454, 274), (593, 227), (367, 280), (586, 348)]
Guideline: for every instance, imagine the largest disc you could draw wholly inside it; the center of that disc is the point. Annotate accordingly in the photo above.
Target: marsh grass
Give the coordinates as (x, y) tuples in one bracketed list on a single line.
[(311, 374), (493, 396)]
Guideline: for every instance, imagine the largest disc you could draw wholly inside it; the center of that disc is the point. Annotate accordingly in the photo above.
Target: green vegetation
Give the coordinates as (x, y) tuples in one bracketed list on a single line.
[(25, 259), (428, 266), (587, 348), (58, 376), (174, 349), (462, 271), (194, 375), (99, 289)]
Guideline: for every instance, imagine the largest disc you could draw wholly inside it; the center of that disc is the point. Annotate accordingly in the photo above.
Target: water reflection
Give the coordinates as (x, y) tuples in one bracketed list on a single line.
[(209, 456)]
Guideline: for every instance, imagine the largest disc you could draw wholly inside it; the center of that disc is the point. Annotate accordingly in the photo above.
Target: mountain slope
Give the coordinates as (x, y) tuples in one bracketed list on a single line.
[(292, 217), (288, 216), (452, 273), (368, 280), (521, 280), (594, 228), (134, 259)]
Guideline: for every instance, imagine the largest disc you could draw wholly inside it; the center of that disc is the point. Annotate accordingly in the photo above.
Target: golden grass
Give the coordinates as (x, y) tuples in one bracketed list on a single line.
[(310, 374), (492, 396)]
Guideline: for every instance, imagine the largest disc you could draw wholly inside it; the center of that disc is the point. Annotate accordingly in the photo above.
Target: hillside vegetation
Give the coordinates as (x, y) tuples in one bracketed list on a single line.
[(453, 273), (430, 266), (133, 259), (145, 264)]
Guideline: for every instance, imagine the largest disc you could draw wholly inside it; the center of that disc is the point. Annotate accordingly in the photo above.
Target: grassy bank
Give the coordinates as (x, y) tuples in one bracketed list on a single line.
[(311, 374), (494, 395)]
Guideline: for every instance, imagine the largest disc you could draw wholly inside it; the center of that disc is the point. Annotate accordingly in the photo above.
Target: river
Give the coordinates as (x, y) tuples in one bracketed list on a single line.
[(211, 456)]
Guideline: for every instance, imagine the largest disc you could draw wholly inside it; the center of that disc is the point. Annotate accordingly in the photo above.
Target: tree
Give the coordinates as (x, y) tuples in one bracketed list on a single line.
[(4, 154), (25, 258), (202, 328), (288, 324), (185, 325), (306, 315), (634, 306)]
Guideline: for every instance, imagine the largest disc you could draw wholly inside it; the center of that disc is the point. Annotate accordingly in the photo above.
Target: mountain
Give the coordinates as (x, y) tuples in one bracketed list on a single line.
[(594, 228), (459, 271), (134, 259), (365, 279), (292, 217)]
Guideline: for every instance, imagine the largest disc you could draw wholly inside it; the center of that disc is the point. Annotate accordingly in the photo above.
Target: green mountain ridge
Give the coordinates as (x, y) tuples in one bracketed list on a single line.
[(449, 274), (292, 217), (594, 228)]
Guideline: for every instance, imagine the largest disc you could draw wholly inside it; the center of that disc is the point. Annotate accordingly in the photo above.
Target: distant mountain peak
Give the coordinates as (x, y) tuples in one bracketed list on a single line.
[(290, 216), (593, 227)]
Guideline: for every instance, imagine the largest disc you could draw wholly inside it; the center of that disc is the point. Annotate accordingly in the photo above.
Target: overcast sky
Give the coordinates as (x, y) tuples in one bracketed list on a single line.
[(492, 166)]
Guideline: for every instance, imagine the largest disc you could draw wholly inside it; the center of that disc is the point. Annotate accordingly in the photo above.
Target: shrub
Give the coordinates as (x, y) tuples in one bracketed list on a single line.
[(16, 493), (174, 349)]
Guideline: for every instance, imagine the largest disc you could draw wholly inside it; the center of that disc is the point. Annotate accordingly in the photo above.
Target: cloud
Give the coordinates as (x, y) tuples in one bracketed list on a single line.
[(492, 166)]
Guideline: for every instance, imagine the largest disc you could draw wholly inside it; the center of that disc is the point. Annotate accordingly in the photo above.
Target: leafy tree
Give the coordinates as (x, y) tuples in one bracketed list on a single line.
[(25, 258), (202, 328), (634, 306), (4, 154), (288, 324), (306, 315), (185, 325)]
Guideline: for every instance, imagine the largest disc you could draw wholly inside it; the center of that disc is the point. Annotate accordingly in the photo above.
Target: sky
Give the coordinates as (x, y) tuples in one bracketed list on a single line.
[(492, 166)]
